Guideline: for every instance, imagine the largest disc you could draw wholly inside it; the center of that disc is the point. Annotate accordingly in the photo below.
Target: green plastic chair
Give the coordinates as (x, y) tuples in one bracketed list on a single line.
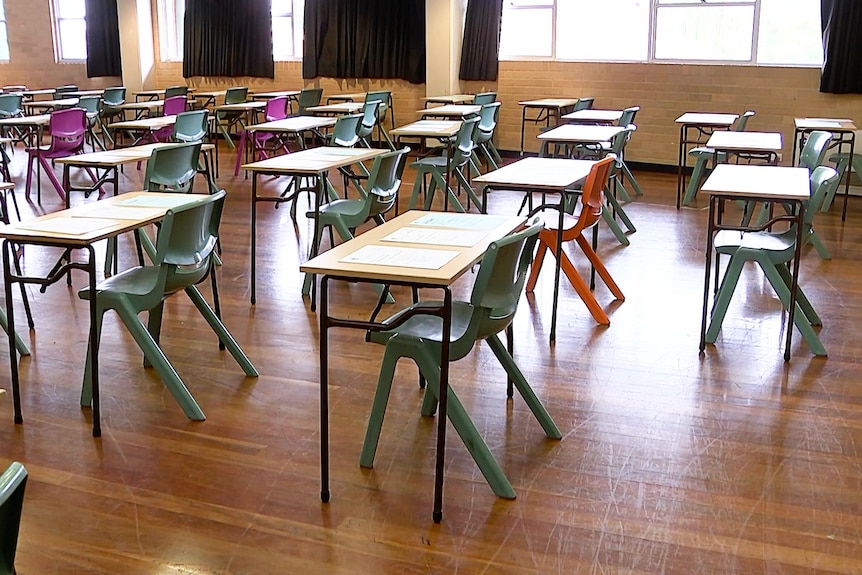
[(584, 104), (191, 126), (843, 162), (61, 91), (308, 97), (13, 481), (369, 121), (111, 99), (176, 91), (232, 120), (772, 251), (494, 300), (384, 97), (628, 116), (345, 215), (483, 136), (92, 106), (184, 258), (483, 98), (10, 105), (703, 155), (437, 166)]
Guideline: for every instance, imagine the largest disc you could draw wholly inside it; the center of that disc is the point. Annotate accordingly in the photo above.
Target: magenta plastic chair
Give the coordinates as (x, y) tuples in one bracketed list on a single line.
[(173, 106), (67, 129), (276, 109)]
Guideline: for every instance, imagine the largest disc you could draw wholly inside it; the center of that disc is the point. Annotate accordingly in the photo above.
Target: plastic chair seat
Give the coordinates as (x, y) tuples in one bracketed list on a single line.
[(345, 208), (429, 328), (431, 162)]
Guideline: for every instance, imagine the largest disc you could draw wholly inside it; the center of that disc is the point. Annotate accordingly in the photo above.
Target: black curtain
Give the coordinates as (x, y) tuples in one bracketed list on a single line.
[(103, 39), (841, 21), (376, 39), (230, 38), (480, 49)]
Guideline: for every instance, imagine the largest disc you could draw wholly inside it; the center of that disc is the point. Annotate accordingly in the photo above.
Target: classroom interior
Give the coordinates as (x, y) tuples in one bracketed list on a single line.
[(671, 461)]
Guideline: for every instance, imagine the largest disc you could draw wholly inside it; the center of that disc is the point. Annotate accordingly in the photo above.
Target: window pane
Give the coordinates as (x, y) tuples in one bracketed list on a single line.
[(526, 32), (2, 11), (706, 1), (510, 3), (790, 33), (71, 9), (704, 33), (73, 43), (282, 7), (4, 42), (282, 38), (629, 40)]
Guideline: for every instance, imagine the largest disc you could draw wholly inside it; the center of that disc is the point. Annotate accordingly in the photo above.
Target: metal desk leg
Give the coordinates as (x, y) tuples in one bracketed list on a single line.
[(94, 342), (710, 232), (324, 389), (848, 172), (253, 233), (10, 329), (442, 398)]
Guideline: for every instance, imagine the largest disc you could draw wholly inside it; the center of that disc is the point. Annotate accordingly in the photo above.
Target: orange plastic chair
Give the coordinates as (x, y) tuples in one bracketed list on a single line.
[(574, 226)]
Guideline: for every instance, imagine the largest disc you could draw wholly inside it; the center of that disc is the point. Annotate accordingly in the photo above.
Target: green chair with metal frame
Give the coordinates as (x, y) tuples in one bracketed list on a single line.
[(13, 482), (772, 251), (60, 92), (172, 91), (231, 119), (194, 127), (483, 98), (112, 98), (369, 121), (844, 165), (483, 135), (92, 106), (308, 97), (184, 258), (384, 97), (437, 167), (345, 215), (498, 288)]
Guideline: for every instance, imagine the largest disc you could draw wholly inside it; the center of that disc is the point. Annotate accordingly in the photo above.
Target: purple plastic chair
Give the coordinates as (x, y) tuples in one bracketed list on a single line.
[(173, 106), (276, 109), (67, 129)]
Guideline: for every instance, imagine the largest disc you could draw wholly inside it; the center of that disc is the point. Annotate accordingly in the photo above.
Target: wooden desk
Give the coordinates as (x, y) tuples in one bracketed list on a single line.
[(336, 109), (844, 135), (593, 116), (352, 97), (84, 93), (206, 98), (331, 266), (33, 125), (293, 125), (450, 111), (314, 162), (545, 175), (546, 109), (77, 229), (289, 94), (754, 183), (150, 107), (32, 94), (702, 126), (158, 94), (238, 110), (49, 105), (450, 99)]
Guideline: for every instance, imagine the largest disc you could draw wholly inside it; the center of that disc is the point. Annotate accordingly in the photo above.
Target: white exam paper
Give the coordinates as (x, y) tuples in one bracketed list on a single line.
[(463, 221), (438, 237), (401, 257)]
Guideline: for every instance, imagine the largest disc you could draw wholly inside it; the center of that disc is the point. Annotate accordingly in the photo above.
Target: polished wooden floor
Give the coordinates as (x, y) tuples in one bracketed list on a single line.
[(671, 461)]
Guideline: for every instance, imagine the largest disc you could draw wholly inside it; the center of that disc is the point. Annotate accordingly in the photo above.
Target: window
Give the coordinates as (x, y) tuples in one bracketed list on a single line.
[(765, 32), (71, 29), (170, 16), (286, 29)]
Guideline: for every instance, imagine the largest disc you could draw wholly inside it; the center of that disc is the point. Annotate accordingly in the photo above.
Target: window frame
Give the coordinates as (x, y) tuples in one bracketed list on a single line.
[(170, 27), (296, 16), (5, 26), (56, 20), (655, 6)]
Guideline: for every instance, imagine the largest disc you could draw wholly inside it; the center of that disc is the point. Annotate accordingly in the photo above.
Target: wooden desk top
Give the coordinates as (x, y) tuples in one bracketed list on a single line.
[(745, 141), (549, 103), (40, 120), (110, 158), (594, 116), (836, 124), (275, 94), (153, 123), (341, 108), (427, 129), (581, 133), (553, 174), (64, 102), (84, 93), (451, 111), (708, 119), (451, 99), (355, 96), (747, 181), (484, 229), (94, 221), (313, 160), (149, 105), (240, 106), (158, 92), (293, 124)]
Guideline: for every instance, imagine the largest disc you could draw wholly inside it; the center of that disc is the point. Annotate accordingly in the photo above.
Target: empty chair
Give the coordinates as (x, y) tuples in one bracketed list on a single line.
[(13, 482), (92, 105), (369, 121), (172, 168), (436, 168), (483, 136), (381, 195), (844, 164), (183, 259), (191, 126), (384, 97), (112, 99), (584, 104), (173, 106), (66, 129), (703, 155), (264, 143), (483, 98), (498, 288), (10, 105), (772, 251), (176, 91), (628, 116), (229, 119), (308, 97), (578, 217), (60, 92)]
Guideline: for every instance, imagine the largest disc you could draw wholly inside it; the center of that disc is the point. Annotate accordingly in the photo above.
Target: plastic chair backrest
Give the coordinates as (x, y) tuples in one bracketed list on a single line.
[(174, 105), (464, 143), (10, 105), (628, 116), (483, 98), (172, 168), (236, 95), (186, 242), (276, 109), (618, 143), (344, 133), (487, 122), (61, 91), (92, 105), (740, 124), (176, 91), (584, 104), (309, 97), (814, 150), (369, 119), (591, 194), (13, 481), (114, 96), (67, 128), (191, 126), (384, 181), (382, 96), (823, 179), (500, 280)]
